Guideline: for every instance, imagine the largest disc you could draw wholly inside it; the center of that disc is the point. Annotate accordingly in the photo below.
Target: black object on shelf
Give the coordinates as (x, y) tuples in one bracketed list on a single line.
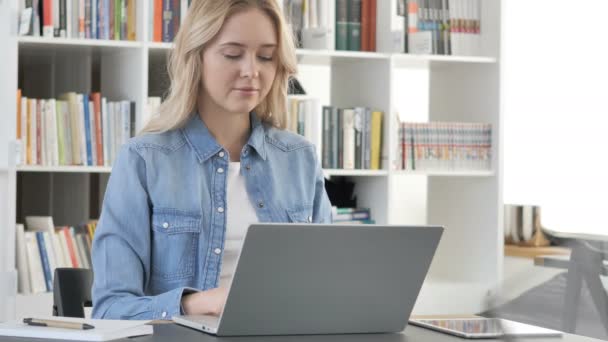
[(72, 291), (341, 192), (294, 87)]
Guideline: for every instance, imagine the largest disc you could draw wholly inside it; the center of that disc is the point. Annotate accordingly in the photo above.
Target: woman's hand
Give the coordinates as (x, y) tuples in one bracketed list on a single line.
[(210, 302)]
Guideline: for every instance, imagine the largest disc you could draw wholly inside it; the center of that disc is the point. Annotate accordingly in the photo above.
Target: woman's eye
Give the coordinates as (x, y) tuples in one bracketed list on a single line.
[(265, 58), (232, 56)]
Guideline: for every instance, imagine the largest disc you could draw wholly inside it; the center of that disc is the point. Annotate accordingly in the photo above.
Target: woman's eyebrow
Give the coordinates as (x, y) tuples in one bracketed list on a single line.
[(237, 44)]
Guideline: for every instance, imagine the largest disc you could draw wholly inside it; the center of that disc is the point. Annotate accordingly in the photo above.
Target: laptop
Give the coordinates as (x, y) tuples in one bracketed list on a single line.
[(294, 279)]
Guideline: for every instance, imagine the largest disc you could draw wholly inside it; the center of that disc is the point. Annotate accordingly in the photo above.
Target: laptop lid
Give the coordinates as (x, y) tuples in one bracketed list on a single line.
[(327, 279)]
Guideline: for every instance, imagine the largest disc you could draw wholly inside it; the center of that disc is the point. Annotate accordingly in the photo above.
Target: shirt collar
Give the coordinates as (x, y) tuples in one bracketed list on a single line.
[(204, 144)]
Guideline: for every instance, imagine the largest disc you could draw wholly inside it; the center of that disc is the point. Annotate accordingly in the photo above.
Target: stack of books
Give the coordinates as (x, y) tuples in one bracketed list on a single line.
[(356, 25), (85, 19), (166, 18), (443, 27), (352, 138), (351, 216), (311, 22), (76, 129), (301, 115), (42, 247), (445, 146)]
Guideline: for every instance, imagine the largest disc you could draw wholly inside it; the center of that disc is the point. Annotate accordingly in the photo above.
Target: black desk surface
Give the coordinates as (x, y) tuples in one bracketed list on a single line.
[(176, 333)]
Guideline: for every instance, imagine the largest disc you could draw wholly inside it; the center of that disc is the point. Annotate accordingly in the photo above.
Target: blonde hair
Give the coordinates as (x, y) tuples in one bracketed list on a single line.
[(204, 21)]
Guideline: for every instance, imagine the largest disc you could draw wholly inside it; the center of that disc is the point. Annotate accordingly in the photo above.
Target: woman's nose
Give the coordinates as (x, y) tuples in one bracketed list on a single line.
[(250, 67)]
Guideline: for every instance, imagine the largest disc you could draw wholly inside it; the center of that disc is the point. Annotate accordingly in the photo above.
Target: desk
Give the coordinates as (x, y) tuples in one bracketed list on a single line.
[(589, 250), (176, 333)]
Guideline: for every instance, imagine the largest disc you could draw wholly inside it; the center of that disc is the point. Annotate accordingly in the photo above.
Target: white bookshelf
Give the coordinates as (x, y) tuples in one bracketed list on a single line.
[(416, 87)]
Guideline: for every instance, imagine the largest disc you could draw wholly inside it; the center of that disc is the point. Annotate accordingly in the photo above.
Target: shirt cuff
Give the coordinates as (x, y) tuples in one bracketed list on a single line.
[(169, 304)]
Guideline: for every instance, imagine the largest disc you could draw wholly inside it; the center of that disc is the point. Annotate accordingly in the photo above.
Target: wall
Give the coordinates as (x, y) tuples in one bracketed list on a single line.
[(556, 113)]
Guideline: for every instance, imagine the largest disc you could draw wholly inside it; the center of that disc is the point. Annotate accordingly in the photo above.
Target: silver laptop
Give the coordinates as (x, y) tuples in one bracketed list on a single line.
[(294, 279)]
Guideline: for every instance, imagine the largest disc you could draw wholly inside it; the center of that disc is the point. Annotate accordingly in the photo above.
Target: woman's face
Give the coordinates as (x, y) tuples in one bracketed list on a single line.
[(239, 64)]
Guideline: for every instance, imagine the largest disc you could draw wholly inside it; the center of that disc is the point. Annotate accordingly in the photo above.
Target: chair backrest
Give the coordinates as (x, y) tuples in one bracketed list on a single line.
[(72, 291)]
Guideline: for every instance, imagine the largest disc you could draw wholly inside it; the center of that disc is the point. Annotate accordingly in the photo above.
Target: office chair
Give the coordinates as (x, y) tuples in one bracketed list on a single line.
[(72, 291)]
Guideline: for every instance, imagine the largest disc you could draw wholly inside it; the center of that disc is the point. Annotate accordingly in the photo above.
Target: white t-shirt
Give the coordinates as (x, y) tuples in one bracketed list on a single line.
[(240, 214)]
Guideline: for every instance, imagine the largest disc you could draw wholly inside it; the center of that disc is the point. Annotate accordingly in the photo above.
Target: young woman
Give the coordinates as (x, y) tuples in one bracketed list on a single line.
[(215, 159)]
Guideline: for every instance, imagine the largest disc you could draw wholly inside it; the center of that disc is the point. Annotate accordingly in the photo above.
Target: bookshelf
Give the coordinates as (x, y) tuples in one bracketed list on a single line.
[(468, 264)]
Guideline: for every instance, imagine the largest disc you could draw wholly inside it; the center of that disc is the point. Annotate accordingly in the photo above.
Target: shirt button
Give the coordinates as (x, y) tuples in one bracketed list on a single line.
[(222, 154), (220, 209), (217, 251), (220, 170), (261, 204), (166, 225), (164, 314), (248, 167), (309, 218)]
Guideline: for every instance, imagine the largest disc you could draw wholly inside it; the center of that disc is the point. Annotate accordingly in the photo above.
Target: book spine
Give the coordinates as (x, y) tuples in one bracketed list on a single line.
[(158, 21), (349, 139), (126, 120), (327, 146), (365, 24), (358, 127), (44, 259), (123, 20), (92, 130), (367, 128), (131, 20), (96, 97), (342, 24), (87, 131), (132, 118), (23, 283), (47, 18), (167, 24), (376, 140), (334, 135), (63, 18), (34, 260), (82, 19), (354, 25), (372, 25), (71, 247), (117, 17), (39, 108), (176, 18), (53, 132)]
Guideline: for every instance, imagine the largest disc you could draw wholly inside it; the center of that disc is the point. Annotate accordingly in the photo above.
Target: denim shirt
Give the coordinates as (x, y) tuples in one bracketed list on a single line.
[(162, 227)]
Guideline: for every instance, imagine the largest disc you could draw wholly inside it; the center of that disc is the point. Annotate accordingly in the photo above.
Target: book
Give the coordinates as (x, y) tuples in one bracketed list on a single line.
[(23, 282), (105, 330), (35, 271), (341, 24), (354, 25)]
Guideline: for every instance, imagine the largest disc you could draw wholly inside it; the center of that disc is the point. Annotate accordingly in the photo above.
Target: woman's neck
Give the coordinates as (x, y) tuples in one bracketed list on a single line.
[(231, 130)]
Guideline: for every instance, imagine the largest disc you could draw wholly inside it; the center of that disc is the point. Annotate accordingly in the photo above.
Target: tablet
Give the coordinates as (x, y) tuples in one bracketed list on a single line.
[(483, 327)]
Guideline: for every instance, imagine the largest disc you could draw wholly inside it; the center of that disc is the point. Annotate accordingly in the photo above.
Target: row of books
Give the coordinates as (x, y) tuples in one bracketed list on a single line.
[(301, 115), (310, 22), (356, 25), (352, 138), (444, 146), (42, 247), (444, 27), (351, 215), (77, 129), (167, 16), (85, 19)]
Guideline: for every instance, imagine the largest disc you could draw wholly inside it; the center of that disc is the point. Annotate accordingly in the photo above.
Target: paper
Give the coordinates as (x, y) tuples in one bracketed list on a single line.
[(105, 330)]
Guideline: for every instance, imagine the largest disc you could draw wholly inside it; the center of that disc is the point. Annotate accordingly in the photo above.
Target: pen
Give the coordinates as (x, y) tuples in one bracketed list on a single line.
[(57, 324)]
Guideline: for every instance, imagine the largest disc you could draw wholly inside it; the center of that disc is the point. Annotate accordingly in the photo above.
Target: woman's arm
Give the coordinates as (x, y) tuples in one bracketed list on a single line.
[(122, 246)]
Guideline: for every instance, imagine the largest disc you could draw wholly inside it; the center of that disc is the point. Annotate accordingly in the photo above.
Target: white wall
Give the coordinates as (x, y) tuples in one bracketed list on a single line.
[(556, 110)]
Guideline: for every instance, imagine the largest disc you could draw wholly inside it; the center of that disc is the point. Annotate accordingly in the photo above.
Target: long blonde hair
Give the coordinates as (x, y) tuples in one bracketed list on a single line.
[(204, 21)]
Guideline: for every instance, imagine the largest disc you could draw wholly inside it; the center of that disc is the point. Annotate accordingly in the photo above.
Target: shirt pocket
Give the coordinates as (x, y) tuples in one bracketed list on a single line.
[(300, 214), (175, 236)]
